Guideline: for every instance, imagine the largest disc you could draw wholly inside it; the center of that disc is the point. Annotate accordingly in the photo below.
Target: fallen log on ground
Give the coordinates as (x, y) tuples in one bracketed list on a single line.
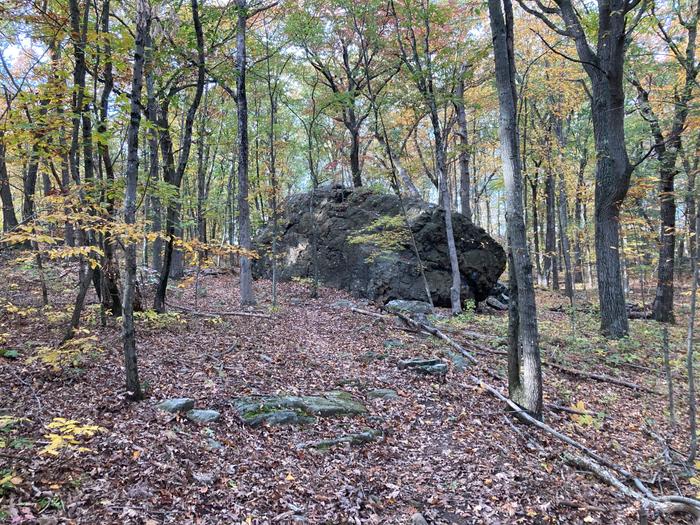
[(219, 314), (595, 462), (600, 377), (437, 333)]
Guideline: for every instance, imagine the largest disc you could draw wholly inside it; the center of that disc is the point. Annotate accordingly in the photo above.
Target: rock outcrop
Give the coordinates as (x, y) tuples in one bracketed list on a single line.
[(365, 247)]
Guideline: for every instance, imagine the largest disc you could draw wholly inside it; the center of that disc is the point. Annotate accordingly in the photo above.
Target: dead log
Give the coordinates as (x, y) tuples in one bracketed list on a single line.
[(660, 504), (600, 377), (597, 463), (437, 333), (220, 314), (496, 304), (371, 314)]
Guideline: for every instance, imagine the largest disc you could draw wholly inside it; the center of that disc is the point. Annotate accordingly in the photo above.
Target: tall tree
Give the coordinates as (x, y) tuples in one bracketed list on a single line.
[(143, 24), (605, 69), (524, 366), (417, 55), (244, 228), (173, 175), (667, 145)]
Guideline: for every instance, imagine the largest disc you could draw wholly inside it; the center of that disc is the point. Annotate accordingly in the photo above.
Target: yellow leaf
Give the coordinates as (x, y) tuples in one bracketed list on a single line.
[(136, 454), (589, 519), (290, 477)]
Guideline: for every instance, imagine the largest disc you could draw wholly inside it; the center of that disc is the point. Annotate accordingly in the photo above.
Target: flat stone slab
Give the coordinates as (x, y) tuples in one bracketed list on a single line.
[(382, 393), (432, 366), (295, 410), (411, 307), (178, 404), (203, 416)]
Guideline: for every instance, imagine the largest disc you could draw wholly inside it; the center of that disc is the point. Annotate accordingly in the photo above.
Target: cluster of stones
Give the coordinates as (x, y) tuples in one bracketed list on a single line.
[(186, 405)]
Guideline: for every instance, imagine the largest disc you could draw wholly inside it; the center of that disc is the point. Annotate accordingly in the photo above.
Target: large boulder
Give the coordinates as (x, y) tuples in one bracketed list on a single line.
[(365, 247)]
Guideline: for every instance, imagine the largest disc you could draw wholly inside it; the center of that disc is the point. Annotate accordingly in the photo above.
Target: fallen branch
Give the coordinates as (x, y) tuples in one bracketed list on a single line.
[(597, 463), (371, 314), (220, 314), (437, 333), (660, 504), (600, 377)]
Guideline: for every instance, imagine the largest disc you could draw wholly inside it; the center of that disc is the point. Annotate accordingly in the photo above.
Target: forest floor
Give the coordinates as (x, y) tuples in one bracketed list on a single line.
[(449, 450)]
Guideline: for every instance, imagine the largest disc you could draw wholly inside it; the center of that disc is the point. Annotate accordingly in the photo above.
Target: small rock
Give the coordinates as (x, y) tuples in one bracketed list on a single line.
[(205, 478), (203, 416), (424, 366), (343, 303), (296, 301), (418, 519), (140, 491), (372, 356), (382, 393), (458, 361), (179, 404), (393, 343), (214, 444), (410, 307), (361, 438)]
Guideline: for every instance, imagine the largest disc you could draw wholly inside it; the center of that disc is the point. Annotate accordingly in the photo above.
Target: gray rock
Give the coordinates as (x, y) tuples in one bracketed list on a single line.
[(203, 416), (360, 438), (341, 215), (295, 410), (393, 343), (179, 404), (433, 366), (418, 519), (205, 478), (458, 361), (214, 444), (343, 303), (382, 393), (409, 307)]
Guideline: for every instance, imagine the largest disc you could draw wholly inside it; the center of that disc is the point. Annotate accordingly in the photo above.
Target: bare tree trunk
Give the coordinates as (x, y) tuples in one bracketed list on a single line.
[(580, 223), (9, 218), (536, 227), (153, 167), (143, 23), (525, 369), (551, 267), (669, 377), (244, 228), (355, 169), (110, 269), (690, 348), (566, 251), (464, 185), (174, 176)]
